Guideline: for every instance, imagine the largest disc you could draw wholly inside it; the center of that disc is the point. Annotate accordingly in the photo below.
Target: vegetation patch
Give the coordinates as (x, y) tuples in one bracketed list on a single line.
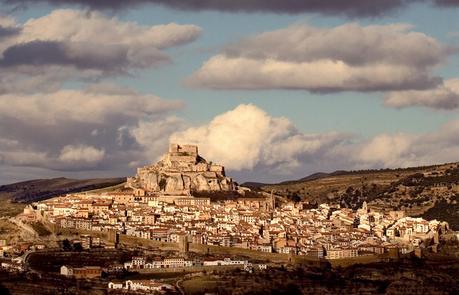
[(40, 229)]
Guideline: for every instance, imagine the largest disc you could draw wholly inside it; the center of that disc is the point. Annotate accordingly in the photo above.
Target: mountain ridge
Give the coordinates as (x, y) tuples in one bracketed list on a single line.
[(40, 189)]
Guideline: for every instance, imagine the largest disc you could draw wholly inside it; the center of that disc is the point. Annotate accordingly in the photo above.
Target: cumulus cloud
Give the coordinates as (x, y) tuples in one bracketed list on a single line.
[(93, 107), (72, 157), (155, 131), (445, 96), (387, 151), (47, 128), (248, 138), (349, 57), (82, 44), (253, 145), (329, 7), (79, 130), (77, 153), (405, 150)]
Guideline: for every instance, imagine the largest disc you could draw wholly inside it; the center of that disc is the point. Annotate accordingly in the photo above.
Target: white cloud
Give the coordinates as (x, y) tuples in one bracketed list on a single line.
[(72, 157), (81, 130), (256, 146), (153, 135), (252, 144), (25, 157), (387, 150), (87, 106), (222, 72), (72, 44), (350, 57), (248, 138), (77, 153), (407, 150), (81, 27), (445, 96)]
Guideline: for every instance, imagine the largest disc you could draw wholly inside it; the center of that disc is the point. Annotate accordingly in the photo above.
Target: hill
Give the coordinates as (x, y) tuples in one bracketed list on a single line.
[(430, 191), (41, 189)]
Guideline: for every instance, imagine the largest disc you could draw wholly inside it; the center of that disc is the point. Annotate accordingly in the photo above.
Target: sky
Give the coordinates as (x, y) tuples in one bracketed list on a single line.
[(272, 90)]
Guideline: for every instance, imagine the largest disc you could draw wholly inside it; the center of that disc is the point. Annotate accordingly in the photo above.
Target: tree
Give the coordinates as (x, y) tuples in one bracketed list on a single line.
[(66, 245), (78, 247)]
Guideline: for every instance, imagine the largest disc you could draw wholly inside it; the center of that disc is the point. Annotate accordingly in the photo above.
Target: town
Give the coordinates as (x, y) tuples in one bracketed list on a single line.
[(158, 205), (185, 214)]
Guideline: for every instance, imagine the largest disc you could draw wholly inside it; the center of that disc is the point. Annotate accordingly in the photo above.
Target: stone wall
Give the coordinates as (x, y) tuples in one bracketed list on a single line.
[(187, 148), (181, 171), (219, 250)]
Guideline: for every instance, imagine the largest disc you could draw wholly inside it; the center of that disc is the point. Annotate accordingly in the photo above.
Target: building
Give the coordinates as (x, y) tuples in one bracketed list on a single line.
[(141, 286), (86, 272), (342, 253), (180, 172)]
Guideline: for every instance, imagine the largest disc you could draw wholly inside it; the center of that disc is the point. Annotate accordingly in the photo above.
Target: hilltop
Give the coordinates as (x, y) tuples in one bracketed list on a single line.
[(430, 191), (41, 189), (181, 171)]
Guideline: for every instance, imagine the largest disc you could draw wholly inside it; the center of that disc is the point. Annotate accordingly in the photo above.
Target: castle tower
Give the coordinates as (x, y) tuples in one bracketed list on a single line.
[(272, 201), (183, 244), (180, 172), (365, 207), (113, 237)]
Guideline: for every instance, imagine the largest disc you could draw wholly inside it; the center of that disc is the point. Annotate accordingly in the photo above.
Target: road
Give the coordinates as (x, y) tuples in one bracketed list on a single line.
[(177, 284)]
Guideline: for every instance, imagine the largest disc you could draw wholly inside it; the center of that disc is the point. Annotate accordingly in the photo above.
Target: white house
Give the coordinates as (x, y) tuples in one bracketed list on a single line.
[(66, 270)]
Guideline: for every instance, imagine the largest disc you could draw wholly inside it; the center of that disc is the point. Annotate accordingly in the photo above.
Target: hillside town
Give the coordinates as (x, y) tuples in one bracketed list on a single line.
[(159, 204), (325, 231), (182, 220)]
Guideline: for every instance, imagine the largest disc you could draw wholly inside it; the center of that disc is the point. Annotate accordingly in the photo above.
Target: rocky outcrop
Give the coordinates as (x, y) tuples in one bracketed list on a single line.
[(180, 172)]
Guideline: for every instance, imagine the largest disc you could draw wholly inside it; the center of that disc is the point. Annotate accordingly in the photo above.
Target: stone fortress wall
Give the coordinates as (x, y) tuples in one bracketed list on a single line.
[(180, 172)]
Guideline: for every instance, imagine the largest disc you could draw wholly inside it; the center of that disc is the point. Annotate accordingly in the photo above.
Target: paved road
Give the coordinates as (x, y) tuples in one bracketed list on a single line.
[(177, 284)]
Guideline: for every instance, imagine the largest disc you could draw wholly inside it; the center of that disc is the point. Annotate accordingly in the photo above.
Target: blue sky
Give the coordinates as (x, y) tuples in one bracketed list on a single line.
[(355, 112), (352, 112), (359, 113)]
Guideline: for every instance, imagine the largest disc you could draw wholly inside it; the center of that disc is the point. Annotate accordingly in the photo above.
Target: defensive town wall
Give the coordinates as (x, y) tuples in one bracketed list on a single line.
[(188, 269), (131, 241), (136, 242)]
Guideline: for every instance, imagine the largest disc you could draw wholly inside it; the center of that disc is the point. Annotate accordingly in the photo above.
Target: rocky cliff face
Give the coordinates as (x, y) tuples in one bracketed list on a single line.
[(180, 172)]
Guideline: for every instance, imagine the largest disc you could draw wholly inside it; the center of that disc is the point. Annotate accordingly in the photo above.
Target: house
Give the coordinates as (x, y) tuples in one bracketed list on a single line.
[(342, 253), (224, 262), (66, 271), (86, 272), (122, 197), (174, 262), (141, 285), (115, 286)]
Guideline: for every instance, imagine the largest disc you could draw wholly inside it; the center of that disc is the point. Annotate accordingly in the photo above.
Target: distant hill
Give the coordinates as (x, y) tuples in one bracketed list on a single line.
[(41, 189), (314, 176), (430, 191)]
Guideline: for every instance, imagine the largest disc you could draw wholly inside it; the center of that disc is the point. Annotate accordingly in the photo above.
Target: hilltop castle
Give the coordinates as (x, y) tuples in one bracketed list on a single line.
[(180, 172)]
